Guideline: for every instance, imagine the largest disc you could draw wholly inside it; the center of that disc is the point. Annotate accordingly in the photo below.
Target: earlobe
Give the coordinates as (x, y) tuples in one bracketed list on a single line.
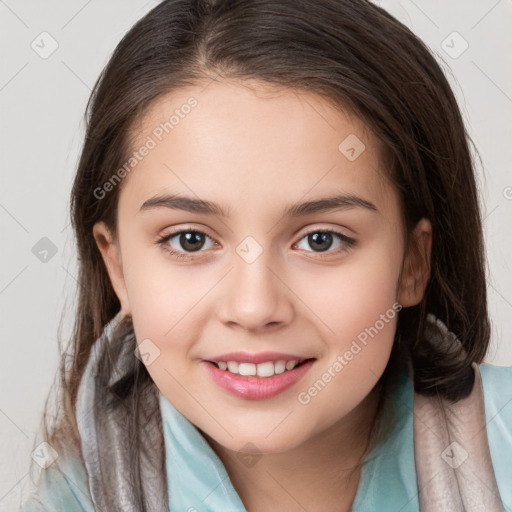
[(111, 254), (416, 268)]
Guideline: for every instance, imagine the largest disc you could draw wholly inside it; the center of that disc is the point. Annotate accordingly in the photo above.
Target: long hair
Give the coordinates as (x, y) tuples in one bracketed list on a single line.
[(358, 57)]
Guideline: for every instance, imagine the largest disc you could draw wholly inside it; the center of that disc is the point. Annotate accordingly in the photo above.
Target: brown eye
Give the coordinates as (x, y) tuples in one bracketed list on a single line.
[(191, 240), (323, 240), (181, 244), (320, 241)]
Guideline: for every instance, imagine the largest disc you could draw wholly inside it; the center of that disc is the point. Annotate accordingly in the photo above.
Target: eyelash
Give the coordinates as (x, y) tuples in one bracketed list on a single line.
[(349, 243)]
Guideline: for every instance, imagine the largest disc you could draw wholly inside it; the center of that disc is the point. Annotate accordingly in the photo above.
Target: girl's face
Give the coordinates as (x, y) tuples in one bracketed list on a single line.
[(252, 262)]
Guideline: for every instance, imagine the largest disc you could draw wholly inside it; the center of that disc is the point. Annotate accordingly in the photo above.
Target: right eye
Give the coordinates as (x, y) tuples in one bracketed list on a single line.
[(190, 240)]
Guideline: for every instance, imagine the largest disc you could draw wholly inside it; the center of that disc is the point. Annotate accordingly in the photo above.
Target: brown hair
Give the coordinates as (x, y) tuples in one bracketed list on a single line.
[(355, 55)]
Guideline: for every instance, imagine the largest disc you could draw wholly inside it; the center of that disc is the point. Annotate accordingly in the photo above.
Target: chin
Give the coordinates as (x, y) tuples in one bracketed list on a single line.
[(259, 444)]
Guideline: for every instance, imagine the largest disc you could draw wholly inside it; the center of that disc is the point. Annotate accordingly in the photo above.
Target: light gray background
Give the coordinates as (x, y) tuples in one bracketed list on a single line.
[(42, 103)]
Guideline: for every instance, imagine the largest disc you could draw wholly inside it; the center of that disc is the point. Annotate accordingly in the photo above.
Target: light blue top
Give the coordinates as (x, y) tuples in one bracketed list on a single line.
[(198, 481)]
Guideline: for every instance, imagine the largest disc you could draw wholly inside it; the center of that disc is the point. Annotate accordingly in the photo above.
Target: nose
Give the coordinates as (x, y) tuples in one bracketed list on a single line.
[(255, 296)]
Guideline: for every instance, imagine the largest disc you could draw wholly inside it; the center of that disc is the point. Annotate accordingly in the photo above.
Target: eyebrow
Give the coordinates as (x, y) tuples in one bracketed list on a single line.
[(326, 204)]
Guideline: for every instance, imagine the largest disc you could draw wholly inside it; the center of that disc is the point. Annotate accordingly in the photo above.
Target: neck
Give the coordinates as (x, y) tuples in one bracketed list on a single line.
[(320, 474)]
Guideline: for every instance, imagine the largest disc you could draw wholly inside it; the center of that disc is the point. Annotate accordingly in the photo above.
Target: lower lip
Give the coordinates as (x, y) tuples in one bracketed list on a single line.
[(252, 387)]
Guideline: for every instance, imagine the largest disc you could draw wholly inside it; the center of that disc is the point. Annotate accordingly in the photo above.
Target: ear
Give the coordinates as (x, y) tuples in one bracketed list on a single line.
[(111, 253), (416, 266)]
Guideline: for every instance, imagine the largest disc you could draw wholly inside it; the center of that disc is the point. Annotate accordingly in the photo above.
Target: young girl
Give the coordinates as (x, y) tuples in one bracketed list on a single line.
[(321, 347)]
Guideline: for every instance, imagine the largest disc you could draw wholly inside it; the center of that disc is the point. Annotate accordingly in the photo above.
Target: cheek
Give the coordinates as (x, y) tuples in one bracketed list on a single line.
[(164, 303), (363, 325), (352, 296), (358, 311), (167, 317), (161, 293)]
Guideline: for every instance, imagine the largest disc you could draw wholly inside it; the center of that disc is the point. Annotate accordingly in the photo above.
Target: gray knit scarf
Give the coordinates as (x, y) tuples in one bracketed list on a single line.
[(113, 412), (116, 411)]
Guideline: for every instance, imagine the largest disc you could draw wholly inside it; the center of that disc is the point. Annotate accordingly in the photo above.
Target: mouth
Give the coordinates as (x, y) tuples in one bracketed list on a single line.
[(261, 364), (252, 381), (265, 369)]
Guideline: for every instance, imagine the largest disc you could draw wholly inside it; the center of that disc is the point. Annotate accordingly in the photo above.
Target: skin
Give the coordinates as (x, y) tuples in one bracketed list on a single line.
[(256, 149)]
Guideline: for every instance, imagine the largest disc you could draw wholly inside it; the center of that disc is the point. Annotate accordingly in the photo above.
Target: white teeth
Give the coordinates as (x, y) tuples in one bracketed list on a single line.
[(246, 369), (267, 369), (280, 366), (291, 364), (233, 366)]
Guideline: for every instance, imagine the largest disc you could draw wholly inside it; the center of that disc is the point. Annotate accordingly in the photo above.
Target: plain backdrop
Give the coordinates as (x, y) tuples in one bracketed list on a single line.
[(42, 102)]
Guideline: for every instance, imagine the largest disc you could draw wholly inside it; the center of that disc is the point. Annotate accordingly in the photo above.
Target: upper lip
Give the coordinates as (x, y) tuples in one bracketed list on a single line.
[(260, 357)]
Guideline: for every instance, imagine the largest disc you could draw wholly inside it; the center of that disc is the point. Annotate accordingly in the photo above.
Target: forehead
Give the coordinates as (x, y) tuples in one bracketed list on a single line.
[(252, 146)]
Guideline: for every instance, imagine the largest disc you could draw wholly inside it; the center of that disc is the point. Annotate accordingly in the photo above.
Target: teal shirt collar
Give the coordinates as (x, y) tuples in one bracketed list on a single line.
[(198, 480), (388, 480)]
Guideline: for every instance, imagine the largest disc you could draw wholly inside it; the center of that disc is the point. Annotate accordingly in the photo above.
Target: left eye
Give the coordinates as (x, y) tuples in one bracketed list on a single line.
[(322, 240), (193, 241)]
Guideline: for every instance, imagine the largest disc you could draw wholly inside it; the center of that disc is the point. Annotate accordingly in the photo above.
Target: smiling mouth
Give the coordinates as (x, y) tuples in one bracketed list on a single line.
[(266, 369), (258, 381)]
